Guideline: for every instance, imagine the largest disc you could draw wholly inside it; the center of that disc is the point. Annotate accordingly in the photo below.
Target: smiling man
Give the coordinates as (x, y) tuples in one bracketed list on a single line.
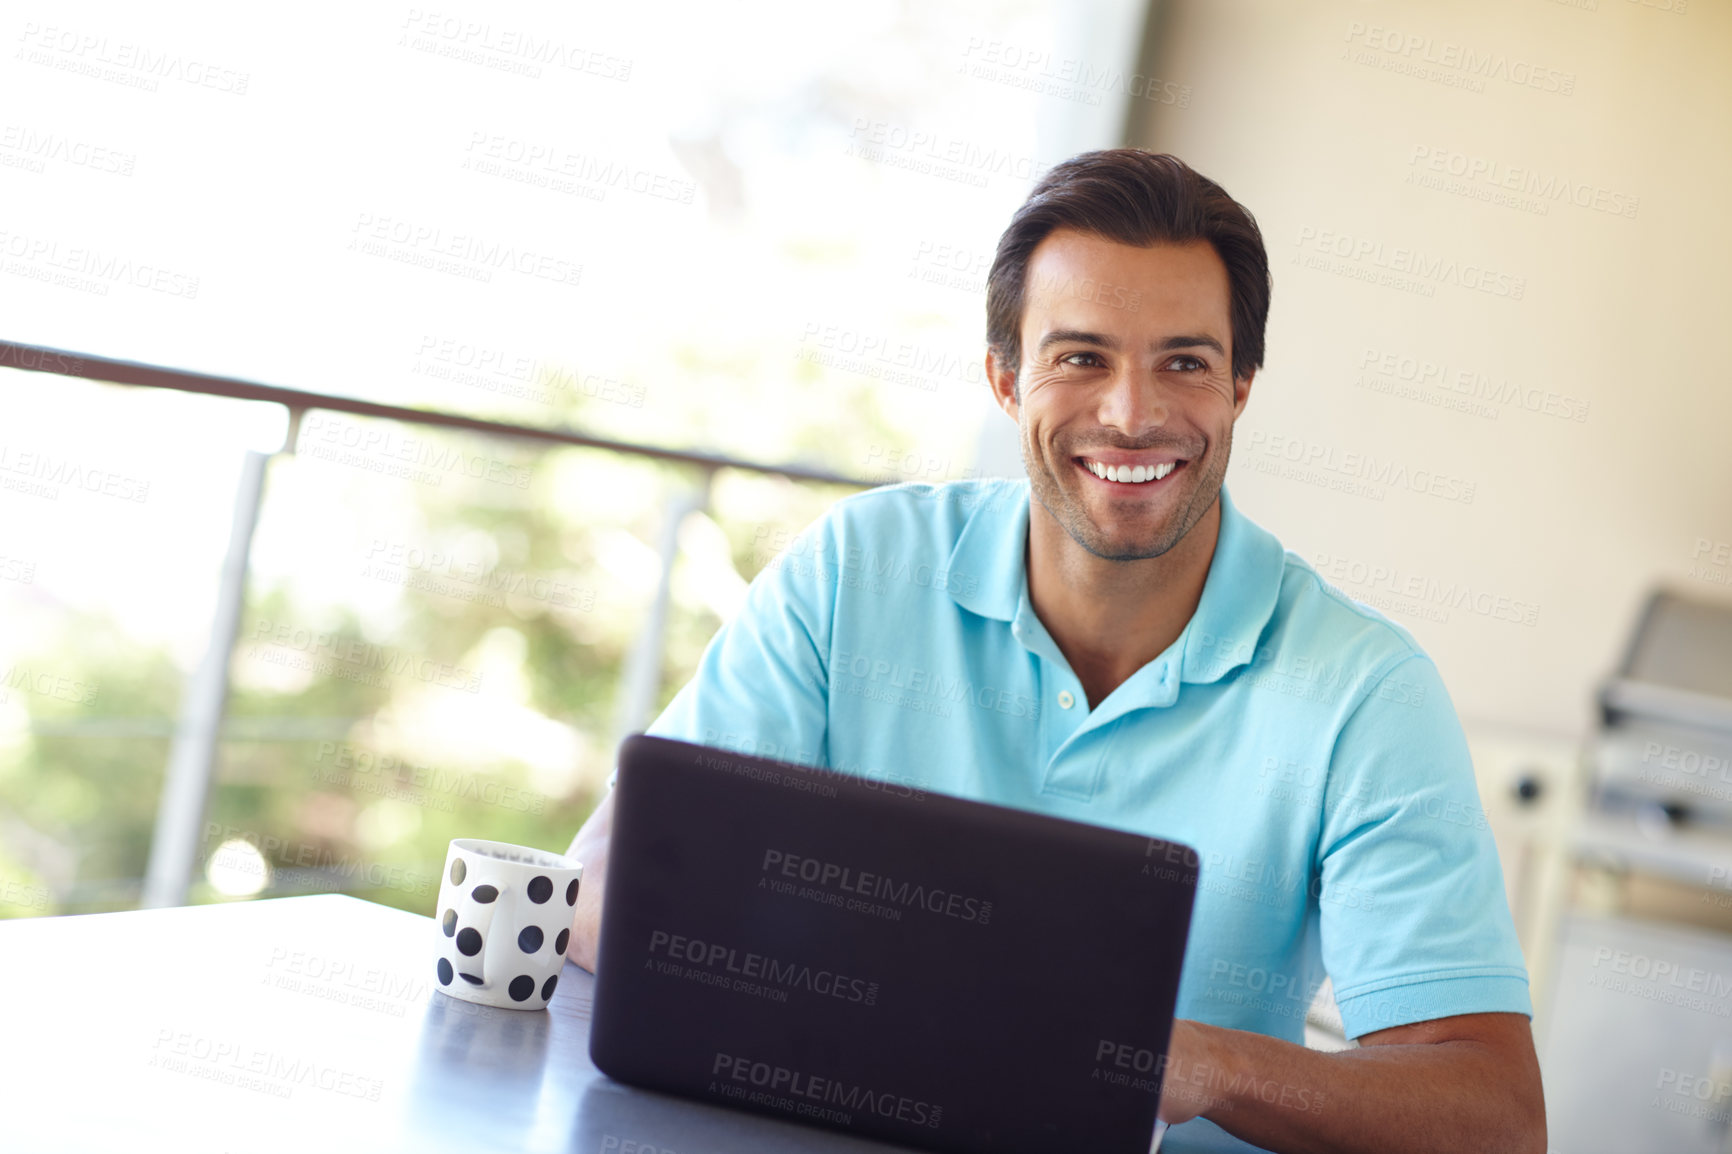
[(1114, 642)]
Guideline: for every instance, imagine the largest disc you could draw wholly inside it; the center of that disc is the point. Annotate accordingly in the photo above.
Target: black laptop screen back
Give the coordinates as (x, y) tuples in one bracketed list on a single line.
[(885, 961)]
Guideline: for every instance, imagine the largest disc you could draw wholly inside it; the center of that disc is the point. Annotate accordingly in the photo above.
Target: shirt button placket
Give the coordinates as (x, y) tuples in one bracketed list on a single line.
[(1070, 716)]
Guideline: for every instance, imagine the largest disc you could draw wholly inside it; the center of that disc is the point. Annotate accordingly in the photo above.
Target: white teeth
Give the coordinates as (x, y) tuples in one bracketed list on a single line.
[(1131, 474)]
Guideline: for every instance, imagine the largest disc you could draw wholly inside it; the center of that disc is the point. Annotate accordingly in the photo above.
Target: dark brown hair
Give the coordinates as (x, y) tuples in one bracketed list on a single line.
[(1139, 198)]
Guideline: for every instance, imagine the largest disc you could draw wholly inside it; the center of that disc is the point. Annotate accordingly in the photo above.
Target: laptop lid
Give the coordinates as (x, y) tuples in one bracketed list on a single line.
[(883, 960)]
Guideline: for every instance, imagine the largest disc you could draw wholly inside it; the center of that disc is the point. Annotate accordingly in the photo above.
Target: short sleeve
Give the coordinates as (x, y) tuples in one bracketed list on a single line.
[(762, 685), (1414, 922)]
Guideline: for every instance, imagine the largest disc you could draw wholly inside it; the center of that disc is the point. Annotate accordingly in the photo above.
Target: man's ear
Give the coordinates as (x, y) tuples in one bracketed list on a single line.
[(1242, 392), (1002, 377)]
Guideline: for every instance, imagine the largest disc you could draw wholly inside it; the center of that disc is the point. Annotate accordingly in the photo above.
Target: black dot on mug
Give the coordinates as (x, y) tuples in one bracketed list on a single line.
[(484, 894), (540, 889), (530, 939), (444, 972), (469, 942), (459, 871), (571, 893), (521, 987), (470, 978), (559, 942), (450, 922), (547, 987)]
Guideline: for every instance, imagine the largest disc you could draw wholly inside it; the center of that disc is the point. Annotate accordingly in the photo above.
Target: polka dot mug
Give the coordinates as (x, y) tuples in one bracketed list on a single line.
[(503, 922)]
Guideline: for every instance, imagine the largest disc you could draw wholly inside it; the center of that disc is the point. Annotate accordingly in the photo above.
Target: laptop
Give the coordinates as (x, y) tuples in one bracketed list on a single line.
[(879, 959)]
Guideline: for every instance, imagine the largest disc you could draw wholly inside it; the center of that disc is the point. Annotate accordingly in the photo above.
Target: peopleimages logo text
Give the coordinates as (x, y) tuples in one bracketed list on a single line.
[(849, 880), (942, 687), (763, 968), (781, 1080), (1371, 253), (356, 656)]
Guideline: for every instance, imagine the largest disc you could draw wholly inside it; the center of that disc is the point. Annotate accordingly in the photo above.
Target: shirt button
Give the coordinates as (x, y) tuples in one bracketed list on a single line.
[(1065, 700)]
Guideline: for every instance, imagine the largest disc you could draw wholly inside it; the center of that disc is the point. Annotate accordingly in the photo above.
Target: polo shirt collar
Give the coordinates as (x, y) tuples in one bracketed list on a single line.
[(1239, 595), (988, 566), (1239, 598)]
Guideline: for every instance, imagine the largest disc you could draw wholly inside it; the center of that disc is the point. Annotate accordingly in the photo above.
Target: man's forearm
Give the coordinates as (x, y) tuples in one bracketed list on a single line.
[(1444, 1096), (590, 847)]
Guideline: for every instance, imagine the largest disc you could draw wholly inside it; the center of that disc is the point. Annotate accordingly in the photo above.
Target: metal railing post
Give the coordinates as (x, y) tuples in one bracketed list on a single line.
[(192, 759), (186, 786), (641, 678)]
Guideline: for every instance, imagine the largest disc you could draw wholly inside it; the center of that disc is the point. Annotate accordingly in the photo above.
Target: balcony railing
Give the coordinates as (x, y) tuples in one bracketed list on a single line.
[(192, 760)]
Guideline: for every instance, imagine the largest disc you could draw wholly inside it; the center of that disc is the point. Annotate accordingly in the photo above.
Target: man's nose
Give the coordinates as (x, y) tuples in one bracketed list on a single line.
[(1135, 400)]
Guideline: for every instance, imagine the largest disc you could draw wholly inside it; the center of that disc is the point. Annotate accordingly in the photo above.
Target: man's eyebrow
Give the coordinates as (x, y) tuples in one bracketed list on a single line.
[(1103, 341), (1077, 336), (1203, 341)]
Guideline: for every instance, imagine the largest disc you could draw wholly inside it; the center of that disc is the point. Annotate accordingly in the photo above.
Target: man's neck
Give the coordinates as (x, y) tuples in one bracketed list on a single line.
[(1110, 618)]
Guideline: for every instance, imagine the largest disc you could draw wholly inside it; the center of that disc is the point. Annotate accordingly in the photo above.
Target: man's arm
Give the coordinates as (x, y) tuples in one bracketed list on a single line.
[(761, 687), (590, 848), (1470, 1082), (1415, 930)]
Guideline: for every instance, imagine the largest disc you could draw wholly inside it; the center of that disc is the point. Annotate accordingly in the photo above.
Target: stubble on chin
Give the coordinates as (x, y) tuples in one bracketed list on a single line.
[(1068, 508)]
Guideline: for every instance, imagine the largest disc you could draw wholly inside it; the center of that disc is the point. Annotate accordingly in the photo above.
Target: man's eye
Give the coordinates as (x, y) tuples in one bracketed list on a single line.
[(1187, 364), (1093, 360)]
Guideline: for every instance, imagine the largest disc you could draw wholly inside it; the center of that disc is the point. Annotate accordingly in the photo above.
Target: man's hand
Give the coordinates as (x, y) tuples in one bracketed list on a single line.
[(1469, 1082), (590, 848)]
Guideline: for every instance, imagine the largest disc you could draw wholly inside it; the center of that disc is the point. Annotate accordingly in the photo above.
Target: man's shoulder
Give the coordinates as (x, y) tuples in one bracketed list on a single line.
[(925, 511), (1319, 619)]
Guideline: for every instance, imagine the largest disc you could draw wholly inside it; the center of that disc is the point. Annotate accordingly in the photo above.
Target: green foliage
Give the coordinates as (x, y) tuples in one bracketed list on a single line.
[(344, 764)]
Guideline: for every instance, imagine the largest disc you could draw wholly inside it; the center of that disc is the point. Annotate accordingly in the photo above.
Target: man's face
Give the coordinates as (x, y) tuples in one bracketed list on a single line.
[(1126, 372)]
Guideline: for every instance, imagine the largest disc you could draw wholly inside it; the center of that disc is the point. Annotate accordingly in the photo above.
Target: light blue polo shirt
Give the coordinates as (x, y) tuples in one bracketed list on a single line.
[(1302, 743)]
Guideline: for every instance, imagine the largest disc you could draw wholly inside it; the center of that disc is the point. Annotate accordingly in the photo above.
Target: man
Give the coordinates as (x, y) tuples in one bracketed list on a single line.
[(1114, 642)]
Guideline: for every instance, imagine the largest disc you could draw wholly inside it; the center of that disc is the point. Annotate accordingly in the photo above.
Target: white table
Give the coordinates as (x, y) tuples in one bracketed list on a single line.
[(311, 1024)]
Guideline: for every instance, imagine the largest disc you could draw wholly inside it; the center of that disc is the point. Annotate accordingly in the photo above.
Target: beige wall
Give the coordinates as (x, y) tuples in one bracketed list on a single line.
[(1303, 113)]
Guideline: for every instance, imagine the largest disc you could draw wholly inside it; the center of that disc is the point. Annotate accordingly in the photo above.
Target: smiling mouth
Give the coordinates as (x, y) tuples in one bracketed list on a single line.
[(1131, 474)]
